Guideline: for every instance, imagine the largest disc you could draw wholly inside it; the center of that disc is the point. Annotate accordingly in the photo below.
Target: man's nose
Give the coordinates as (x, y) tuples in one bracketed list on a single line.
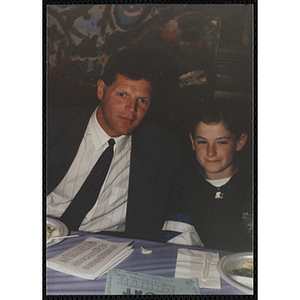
[(131, 105), (211, 150)]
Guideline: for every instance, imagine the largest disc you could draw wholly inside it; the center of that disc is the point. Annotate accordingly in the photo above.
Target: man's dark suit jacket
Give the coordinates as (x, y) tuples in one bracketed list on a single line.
[(154, 166)]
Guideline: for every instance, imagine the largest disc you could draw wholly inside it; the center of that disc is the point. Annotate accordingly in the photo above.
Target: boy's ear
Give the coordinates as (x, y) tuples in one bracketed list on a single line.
[(241, 142), (193, 142), (100, 88)]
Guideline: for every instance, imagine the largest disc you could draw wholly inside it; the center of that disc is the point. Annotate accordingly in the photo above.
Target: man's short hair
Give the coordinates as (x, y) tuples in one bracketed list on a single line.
[(139, 64)]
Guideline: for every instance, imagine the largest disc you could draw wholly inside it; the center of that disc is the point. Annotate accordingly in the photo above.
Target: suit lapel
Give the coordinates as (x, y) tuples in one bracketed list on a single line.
[(64, 145), (141, 193)]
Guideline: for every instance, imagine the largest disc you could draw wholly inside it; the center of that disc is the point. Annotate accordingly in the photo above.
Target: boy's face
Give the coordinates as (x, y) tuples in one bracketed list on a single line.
[(215, 147)]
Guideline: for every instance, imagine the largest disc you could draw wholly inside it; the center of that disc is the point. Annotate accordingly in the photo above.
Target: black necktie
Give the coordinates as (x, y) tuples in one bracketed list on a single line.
[(87, 195)]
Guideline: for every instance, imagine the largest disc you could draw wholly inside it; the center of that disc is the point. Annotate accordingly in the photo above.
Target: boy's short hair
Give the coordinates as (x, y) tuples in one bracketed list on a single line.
[(234, 113)]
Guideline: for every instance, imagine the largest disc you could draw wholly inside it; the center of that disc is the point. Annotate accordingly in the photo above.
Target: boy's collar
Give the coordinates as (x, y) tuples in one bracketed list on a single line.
[(240, 163)]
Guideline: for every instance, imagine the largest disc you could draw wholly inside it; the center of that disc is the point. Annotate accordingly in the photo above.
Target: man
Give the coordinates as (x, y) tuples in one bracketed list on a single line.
[(133, 198)]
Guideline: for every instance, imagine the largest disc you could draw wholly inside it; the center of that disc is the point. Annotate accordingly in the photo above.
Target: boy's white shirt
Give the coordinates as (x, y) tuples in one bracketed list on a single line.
[(218, 182)]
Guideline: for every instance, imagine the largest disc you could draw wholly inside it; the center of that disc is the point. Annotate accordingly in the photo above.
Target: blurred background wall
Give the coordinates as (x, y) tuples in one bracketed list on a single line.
[(209, 44)]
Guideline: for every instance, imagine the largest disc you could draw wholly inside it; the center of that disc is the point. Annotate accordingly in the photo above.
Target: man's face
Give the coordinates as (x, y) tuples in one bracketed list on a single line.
[(123, 104), (215, 147)]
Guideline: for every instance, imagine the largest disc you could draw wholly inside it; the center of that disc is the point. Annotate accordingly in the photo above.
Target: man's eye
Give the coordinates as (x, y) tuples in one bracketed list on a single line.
[(144, 101), (121, 94)]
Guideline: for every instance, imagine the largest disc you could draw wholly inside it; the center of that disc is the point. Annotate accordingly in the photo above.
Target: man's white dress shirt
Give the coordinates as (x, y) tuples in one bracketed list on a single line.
[(109, 211)]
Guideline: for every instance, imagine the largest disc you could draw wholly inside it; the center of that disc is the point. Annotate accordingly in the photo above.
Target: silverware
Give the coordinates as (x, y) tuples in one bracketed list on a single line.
[(208, 259), (62, 237)]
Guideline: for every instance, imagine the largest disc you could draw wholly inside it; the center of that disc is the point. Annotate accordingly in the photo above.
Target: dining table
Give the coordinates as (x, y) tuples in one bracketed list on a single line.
[(161, 262)]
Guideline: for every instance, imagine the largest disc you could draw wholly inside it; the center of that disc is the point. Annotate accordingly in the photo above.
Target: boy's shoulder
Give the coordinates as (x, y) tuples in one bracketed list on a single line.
[(241, 181), (244, 173)]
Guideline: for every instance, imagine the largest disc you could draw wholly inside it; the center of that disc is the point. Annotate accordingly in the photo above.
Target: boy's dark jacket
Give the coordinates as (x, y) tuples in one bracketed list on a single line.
[(218, 222)]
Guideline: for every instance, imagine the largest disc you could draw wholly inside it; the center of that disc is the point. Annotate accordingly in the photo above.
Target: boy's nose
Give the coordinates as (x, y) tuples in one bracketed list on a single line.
[(211, 151)]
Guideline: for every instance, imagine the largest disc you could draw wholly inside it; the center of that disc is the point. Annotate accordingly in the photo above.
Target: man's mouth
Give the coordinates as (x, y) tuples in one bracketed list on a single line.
[(127, 120)]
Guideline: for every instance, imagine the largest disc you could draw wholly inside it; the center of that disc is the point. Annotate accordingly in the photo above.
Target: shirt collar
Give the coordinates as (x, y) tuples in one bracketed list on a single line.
[(100, 137)]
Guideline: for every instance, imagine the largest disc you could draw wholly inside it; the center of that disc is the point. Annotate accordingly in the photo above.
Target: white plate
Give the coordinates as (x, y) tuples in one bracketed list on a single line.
[(235, 261), (62, 227)]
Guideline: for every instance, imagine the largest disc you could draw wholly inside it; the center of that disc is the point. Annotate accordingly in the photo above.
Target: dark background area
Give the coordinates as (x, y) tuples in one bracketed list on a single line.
[(225, 56), (213, 44)]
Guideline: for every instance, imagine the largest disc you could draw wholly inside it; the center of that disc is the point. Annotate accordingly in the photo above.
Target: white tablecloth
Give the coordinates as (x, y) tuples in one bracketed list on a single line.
[(160, 262)]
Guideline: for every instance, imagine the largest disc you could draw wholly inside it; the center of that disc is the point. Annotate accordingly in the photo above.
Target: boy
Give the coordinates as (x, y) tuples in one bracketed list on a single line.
[(213, 202)]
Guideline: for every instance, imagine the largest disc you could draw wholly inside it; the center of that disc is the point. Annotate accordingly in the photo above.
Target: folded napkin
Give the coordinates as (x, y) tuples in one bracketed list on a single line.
[(190, 264)]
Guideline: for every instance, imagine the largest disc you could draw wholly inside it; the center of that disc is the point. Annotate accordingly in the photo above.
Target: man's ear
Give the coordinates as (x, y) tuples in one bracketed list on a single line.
[(100, 88), (241, 142), (192, 140)]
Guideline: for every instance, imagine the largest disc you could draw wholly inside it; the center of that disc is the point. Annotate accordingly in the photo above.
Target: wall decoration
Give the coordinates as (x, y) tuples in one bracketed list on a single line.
[(81, 38), (130, 15), (89, 25)]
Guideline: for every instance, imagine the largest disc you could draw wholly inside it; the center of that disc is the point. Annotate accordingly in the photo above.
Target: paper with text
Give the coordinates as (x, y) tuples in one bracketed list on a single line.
[(121, 282), (90, 258)]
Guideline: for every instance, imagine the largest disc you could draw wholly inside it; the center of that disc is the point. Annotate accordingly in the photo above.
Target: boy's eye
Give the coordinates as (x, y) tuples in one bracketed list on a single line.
[(223, 143), (201, 142)]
